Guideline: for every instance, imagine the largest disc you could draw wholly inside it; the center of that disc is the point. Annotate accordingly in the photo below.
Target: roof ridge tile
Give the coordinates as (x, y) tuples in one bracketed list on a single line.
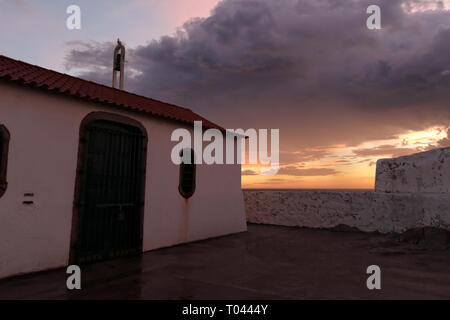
[(57, 82)]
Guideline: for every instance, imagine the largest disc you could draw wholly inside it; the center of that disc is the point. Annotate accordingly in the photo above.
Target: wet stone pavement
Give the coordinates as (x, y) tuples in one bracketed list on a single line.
[(267, 262)]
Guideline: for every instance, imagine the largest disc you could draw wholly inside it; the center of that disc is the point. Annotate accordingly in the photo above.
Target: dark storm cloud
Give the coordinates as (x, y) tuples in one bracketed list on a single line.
[(96, 64), (308, 67), (89, 54)]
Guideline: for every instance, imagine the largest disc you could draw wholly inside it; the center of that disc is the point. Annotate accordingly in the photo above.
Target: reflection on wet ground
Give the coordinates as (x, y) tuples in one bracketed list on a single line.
[(267, 262)]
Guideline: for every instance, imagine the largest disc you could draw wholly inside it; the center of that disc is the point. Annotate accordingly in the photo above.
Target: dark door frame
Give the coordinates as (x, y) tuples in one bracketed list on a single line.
[(5, 136), (93, 116)]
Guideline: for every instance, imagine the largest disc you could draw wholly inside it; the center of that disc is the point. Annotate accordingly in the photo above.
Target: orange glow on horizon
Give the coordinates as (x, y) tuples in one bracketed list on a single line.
[(342, 167)]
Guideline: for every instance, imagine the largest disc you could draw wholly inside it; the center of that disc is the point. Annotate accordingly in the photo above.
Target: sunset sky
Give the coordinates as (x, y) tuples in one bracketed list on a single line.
[(341, 95)]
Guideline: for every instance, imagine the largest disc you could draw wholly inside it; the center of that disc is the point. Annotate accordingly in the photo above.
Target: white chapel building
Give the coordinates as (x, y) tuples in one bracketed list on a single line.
[(86, 174)]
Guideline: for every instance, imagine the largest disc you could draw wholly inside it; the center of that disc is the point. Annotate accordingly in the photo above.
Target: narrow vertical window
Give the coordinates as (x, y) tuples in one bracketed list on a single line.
[(187, 173), (4, 143)]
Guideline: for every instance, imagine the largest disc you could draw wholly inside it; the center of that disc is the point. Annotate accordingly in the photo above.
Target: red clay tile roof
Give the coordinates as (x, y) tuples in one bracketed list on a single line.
[(35, 76)]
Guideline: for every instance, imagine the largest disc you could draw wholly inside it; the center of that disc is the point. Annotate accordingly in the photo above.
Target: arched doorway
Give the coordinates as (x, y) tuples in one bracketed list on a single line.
[(109, 193)]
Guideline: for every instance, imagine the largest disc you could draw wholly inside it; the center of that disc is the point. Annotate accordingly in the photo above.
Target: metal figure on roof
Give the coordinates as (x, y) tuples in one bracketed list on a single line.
[(119, 64)]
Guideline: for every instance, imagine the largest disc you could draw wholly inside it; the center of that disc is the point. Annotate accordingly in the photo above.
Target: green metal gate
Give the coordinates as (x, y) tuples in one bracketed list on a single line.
[(111, 198)]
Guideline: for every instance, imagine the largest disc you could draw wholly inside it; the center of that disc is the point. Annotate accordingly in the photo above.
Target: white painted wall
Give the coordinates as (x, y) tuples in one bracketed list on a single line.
[(43, 149), (421, 172), (367, 211)]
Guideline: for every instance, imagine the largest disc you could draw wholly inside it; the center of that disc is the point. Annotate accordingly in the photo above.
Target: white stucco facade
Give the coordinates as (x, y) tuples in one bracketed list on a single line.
[(42, 161)]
